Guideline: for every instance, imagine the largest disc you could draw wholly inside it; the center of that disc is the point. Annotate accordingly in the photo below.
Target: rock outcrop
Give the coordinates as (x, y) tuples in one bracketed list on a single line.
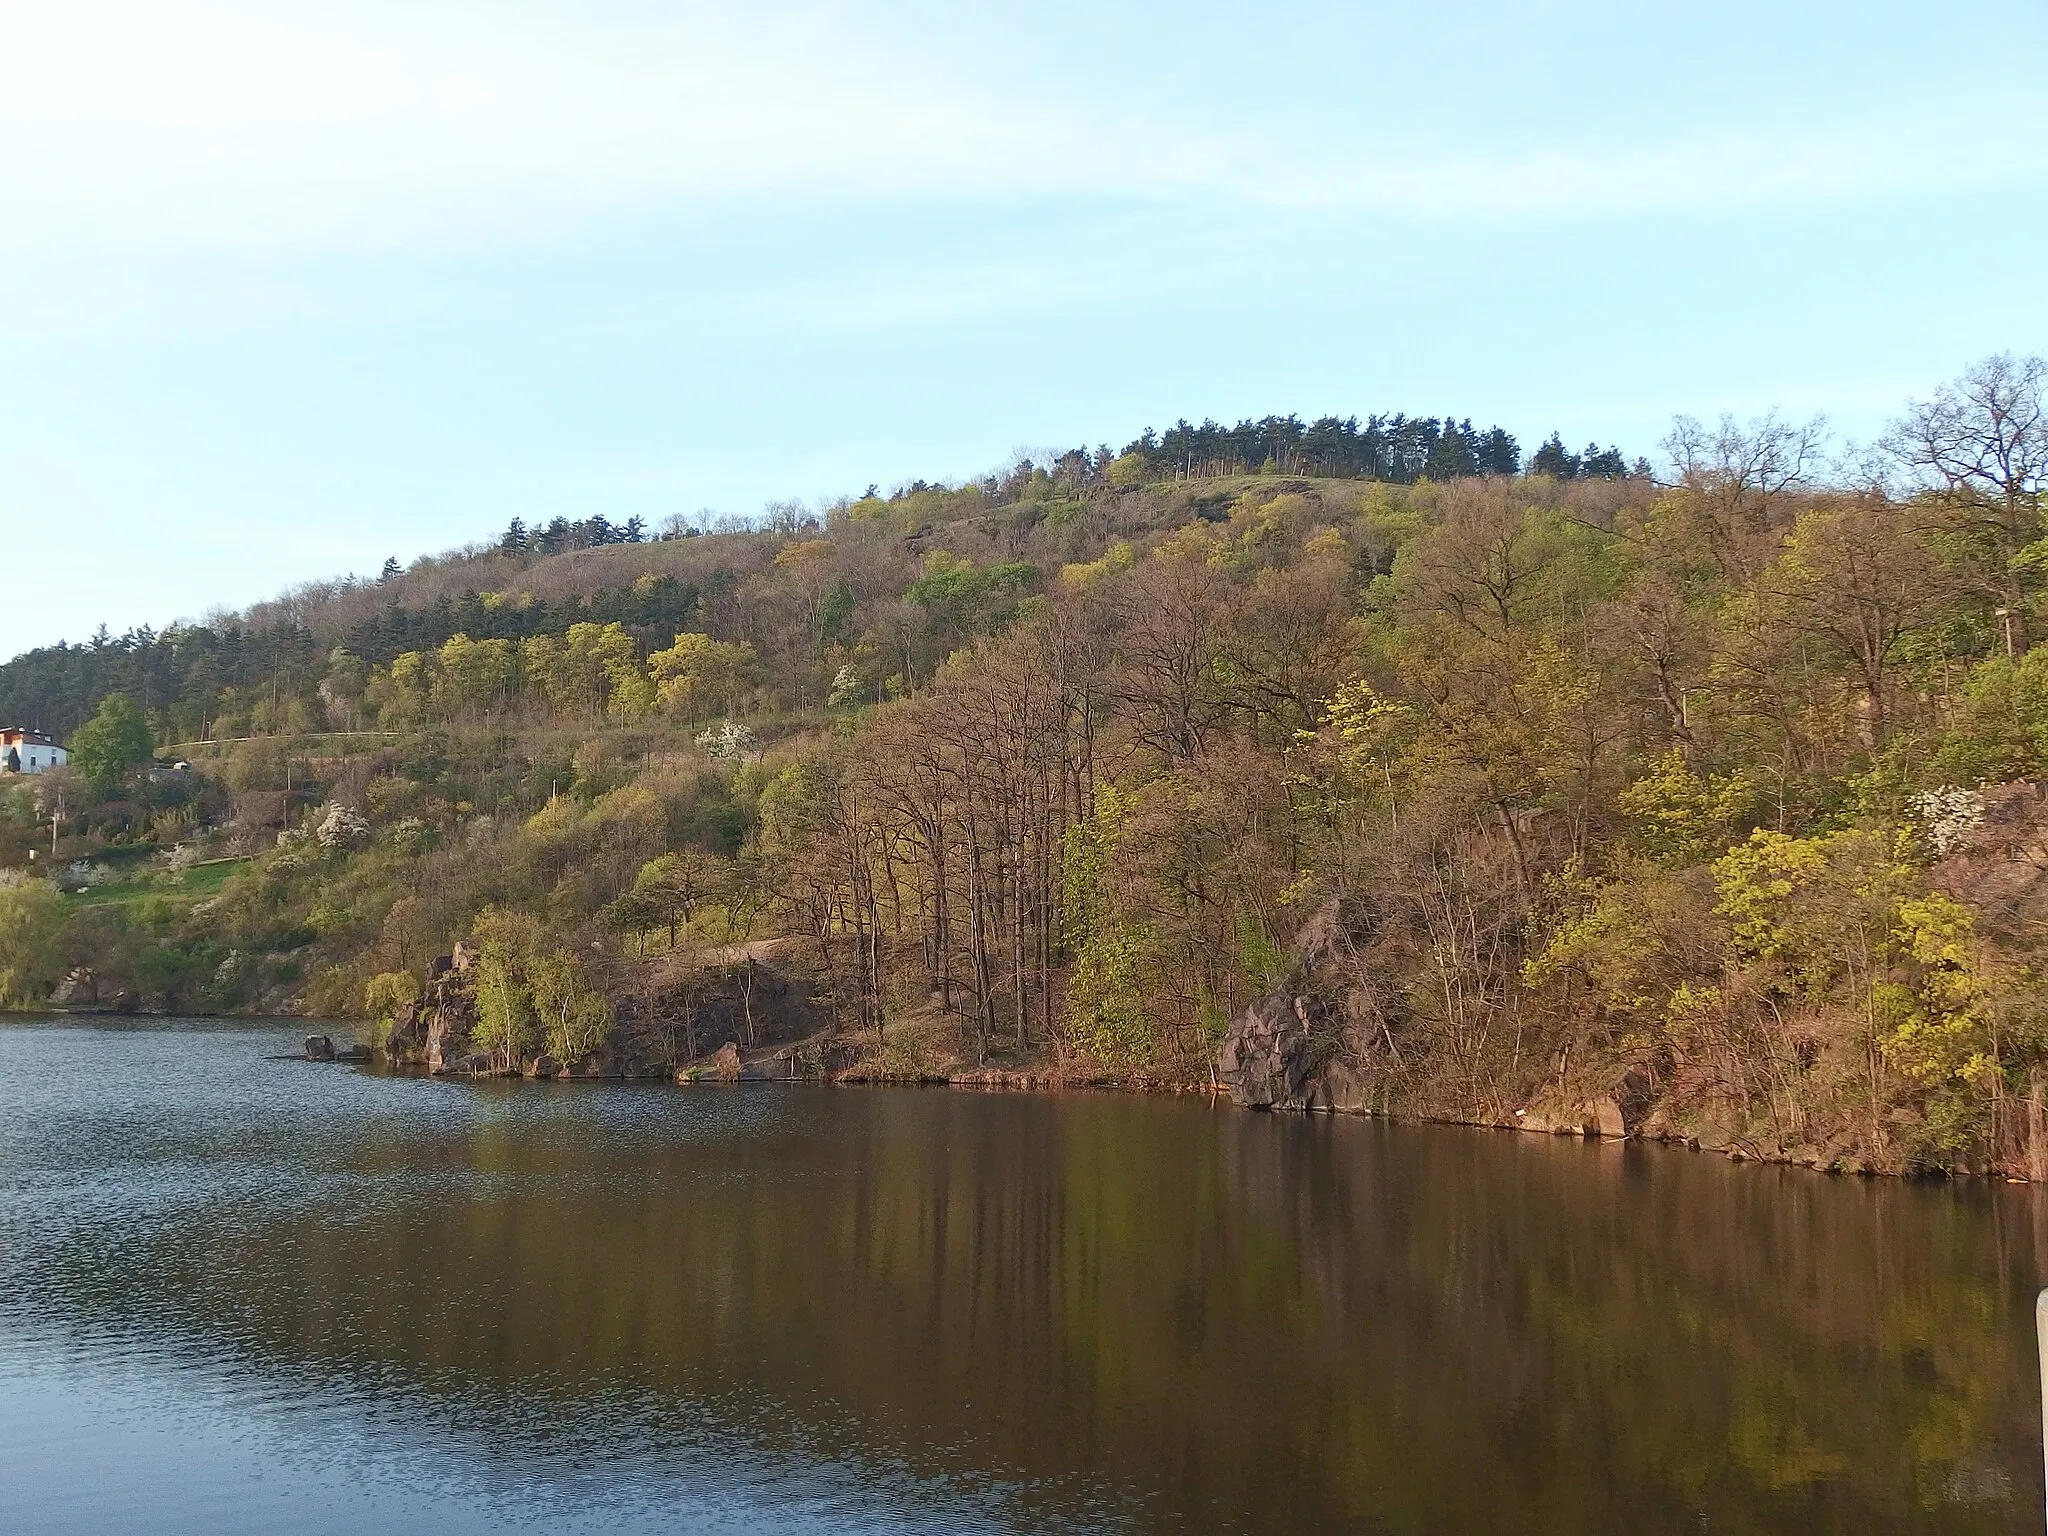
[(735, 1020), (813, 1060), (1291, 1050), (79, 989), (1267, 1060), (435, 1032), (1600, 1117), (1325, 1040), (1298, 1047)]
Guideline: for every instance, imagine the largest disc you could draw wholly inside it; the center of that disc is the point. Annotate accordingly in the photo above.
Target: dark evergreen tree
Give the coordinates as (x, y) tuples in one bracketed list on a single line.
[(1451, 456), (1395, 447), (1602, 464), (1499, 453), (1554, 459)]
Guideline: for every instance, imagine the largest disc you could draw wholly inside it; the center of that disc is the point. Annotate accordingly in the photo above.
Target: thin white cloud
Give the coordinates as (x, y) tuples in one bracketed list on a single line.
[(196, 119), (214, 121)]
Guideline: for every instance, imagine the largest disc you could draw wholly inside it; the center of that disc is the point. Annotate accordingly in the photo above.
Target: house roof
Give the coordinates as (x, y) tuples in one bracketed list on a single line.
[(21, 735)]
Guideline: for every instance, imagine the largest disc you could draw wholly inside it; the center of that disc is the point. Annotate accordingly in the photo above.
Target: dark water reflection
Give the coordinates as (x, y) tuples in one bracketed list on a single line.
[(238, 1294)]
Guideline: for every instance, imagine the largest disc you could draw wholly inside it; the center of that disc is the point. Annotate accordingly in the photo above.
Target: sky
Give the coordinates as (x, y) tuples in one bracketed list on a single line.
[(286, 288)]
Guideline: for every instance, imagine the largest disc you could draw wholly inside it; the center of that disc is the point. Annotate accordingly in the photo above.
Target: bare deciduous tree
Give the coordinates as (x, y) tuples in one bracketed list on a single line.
[(1981, 443), (1736, 476)]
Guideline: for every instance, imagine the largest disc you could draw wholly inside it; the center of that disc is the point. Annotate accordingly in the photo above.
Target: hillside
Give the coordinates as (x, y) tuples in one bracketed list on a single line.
[(1545, 798), (259, 672)]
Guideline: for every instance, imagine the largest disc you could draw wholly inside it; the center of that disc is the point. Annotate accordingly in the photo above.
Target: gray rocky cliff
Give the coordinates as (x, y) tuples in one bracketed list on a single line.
[(1302, 1045)]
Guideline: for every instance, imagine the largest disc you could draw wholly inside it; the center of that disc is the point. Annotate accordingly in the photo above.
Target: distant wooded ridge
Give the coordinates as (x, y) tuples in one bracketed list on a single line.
[(1398, 449), (278, 650)]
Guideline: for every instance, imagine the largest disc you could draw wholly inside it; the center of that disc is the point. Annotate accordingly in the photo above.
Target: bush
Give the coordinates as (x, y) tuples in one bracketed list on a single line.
[(340, 827), (31, 918), (385, 995)]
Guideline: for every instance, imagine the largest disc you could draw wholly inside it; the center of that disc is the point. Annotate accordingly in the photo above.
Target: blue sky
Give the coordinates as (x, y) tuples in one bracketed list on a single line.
[(286, 288)]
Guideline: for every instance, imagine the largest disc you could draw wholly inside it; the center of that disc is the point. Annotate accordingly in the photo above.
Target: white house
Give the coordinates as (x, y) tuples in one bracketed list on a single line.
[(26, 751)]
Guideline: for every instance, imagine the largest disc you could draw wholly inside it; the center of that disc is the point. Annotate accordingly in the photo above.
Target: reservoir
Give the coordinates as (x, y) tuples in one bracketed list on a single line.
[(242, 1295)]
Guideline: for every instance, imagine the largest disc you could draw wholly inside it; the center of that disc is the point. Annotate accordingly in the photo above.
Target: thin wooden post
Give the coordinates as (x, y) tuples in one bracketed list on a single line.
[(2041, 1342)]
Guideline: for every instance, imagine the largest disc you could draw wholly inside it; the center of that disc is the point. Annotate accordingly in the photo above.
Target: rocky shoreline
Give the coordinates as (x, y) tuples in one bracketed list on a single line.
[(1601, 1119), (1277, 1058), (1294, 1050)]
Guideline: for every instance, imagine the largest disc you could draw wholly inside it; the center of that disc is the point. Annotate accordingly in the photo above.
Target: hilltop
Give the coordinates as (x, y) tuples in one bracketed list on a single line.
[(259, 672)]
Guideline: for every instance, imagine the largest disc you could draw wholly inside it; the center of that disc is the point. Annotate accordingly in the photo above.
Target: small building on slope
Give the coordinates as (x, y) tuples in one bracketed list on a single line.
[(26, 751)]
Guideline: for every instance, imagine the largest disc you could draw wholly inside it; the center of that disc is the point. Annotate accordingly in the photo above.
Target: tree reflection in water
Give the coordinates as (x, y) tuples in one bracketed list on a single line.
[(1040, 1311)]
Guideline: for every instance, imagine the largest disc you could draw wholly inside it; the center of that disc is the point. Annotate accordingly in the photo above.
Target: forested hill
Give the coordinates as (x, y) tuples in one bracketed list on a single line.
[(261, 672), (1710, 806)]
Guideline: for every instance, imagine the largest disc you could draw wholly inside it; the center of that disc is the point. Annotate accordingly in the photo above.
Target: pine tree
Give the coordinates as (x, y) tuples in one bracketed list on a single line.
[(1554, 459), (1602, 465), (1499, 453)]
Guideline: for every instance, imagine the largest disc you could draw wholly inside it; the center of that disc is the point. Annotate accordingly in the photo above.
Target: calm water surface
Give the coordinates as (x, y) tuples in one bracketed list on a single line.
[(248, 1295)]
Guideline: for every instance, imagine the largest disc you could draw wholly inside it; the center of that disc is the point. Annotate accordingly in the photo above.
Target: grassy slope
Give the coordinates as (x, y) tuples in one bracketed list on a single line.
[(189, 886)]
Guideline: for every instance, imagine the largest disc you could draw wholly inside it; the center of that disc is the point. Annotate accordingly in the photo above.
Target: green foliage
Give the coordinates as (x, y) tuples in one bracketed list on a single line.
[(964, 600), (172, 972), (574, 1016), (1353, 759), (1677, 817), (504, 1011), (387, 994), (1496, 744), (530, 992), (112, 744), (698, 677), (1850, 923), (1597, 929), (1938, 1014), (671, 888), (31, 921), (1999, 729), (1107, 990), (1129, 471), (1818, 908), (1262, 962)]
